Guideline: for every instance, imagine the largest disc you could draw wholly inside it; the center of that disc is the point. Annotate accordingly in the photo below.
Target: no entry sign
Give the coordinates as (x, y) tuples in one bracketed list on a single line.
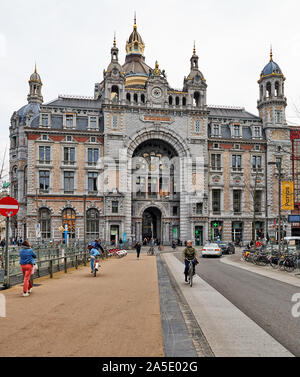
[(9, 207)]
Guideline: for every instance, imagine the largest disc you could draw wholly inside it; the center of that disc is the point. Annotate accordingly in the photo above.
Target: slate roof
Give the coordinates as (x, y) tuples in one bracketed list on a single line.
[(80, 102)]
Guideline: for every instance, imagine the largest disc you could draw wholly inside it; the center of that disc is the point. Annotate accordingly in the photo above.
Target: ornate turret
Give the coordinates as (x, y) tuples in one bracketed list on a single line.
[(272, 102), (35, 88), (135, 44)]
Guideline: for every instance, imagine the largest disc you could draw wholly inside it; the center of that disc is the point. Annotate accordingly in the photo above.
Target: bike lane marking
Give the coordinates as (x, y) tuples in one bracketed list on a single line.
[(229, 332)]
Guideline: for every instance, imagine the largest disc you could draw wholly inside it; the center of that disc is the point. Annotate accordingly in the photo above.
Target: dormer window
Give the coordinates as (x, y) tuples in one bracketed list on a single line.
[(256, 131), (45, 120), (93, 122), (69, 121), (236, 130), (216, 130)]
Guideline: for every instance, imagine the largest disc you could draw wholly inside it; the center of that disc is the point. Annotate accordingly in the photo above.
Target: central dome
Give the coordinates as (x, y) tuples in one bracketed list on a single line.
[(270, 68)]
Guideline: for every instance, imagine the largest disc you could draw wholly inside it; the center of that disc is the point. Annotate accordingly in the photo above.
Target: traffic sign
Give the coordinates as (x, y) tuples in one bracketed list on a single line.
[(9, 207)]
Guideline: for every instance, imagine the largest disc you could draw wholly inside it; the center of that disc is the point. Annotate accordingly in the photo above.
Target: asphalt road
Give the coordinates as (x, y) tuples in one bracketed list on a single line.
[(266, 301)]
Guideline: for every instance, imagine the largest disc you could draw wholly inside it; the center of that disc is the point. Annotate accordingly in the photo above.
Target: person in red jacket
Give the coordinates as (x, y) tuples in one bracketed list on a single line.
[(258, 243)]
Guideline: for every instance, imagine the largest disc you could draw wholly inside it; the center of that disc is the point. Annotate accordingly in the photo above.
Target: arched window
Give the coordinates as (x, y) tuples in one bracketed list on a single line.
[(261, 91), (183, 101), (277, 93), (128, 97), (135, 98), (115, 93), (170, 100), (143, 98), (92, 224), (136, 47), (45, 223), (69, 218), (196, 99), (268, 90), (177, 101)]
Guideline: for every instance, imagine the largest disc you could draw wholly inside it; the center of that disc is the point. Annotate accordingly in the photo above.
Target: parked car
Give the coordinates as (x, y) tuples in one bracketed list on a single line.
[(227, 248), (211, 249)]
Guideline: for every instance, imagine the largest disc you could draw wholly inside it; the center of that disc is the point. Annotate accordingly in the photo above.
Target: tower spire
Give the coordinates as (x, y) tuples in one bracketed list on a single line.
[(271, 54), (115, 42), (194, 50), (134, 25)]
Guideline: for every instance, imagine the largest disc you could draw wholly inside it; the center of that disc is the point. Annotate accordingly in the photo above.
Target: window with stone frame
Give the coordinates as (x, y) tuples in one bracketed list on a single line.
[(69, 177), (256, 163), (69, 220), (237, 201), (45, 155), (45, 120), (257, 201), (216, 130), (69, 155), (92, 224), (92, 182), (278, 116), (197, 126), (93, 123), (236, 162), (175, 210), (199, 208), (44, 181), (70, 121), (45, 223), (93, 156), (115, 121), (216, 201), (216, 161), (115, 206), (236, 130), (257, 131)]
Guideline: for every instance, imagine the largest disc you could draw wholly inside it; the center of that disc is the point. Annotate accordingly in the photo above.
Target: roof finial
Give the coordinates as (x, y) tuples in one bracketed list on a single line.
[(134, 26), (271, 54), (194, 50), (115, 42), (35, 71)]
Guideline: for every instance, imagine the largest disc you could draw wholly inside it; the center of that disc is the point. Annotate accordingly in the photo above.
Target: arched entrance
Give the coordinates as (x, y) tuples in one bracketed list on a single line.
[(151, 225)]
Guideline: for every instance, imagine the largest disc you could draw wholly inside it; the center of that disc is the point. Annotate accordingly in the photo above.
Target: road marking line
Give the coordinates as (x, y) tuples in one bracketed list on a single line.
[(229, 332)]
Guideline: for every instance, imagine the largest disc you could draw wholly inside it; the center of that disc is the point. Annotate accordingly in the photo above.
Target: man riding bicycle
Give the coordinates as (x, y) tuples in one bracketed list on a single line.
[(93, 253), (189, 254)]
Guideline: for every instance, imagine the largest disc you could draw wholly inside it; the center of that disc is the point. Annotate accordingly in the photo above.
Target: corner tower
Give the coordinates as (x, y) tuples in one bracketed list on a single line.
[(35, 88), (272, 102)]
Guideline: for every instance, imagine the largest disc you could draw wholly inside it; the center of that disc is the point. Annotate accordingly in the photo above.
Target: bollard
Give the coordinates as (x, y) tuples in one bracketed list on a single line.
[(51, 268), (65, 264)]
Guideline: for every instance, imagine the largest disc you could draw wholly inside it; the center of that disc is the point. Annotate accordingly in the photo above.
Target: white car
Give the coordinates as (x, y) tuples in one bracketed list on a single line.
[(211, 249)]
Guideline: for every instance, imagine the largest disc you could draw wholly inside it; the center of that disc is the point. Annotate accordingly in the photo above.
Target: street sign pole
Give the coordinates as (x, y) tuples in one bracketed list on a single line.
[(7, 281)]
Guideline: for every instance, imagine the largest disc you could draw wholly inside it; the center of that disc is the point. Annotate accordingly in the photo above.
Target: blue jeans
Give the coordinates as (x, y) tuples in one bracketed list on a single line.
[(187, 263), (92, 263)]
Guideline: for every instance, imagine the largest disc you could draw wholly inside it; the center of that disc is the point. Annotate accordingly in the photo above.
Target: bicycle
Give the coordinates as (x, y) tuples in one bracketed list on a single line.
[(95, 266), (190, 272)]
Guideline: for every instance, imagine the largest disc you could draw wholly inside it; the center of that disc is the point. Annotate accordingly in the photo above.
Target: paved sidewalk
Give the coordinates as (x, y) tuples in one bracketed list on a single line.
[(268, 271), (229, 332), (115, 314)]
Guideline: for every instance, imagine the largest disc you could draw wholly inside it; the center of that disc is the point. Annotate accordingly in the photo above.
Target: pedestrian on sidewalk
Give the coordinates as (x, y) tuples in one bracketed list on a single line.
[(27, 261), (138, 247)]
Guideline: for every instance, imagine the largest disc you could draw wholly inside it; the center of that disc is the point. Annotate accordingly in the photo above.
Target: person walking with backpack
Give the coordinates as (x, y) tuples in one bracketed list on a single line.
[(27, 257)]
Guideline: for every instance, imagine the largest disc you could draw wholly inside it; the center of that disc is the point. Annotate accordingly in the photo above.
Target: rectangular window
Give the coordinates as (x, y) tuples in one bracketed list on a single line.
[(45, 120), (199, 208), (237, 196), (216, 161), (93, 122), (93, 156), (175, 211), (256, 162), (216, 130), (114, 206), (92, 182), (44, 181), (69, 121), (69, 156), (141, 186), (256, 131), (115, 121), (152, 186), (236, 162), (236, 130), (257, 201), (216, 201), (278, 116), (69, 182), (45, 155), (197, 126)]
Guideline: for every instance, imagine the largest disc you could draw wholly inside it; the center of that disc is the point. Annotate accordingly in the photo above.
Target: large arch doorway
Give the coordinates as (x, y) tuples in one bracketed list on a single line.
[(151, 226)]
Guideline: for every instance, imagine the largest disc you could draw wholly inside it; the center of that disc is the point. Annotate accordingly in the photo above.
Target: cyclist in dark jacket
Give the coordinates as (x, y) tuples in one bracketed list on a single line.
[(189, 254), (27, 257)]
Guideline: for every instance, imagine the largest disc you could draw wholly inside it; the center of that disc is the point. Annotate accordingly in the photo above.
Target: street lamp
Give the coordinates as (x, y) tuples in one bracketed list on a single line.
[(278, 165)]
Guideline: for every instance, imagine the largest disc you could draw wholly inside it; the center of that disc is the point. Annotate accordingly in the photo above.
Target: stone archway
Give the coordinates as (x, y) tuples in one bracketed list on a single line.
[(152, 224)]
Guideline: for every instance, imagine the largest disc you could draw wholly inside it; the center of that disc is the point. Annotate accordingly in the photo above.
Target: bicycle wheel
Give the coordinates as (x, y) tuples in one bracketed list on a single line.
[(191, 276), (274, 262), (289, 266)]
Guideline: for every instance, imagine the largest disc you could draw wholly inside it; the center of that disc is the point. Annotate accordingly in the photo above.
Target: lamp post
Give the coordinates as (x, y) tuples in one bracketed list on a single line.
[(278, 165)]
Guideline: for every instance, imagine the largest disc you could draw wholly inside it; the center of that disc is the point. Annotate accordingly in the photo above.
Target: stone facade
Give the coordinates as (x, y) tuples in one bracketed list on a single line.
[(141, 159)]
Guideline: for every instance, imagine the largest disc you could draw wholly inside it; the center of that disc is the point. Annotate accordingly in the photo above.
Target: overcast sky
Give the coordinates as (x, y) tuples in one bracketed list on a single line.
[(71, 39)]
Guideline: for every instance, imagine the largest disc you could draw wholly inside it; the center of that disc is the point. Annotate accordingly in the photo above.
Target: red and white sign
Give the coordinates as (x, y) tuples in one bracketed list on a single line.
[(9, 207)]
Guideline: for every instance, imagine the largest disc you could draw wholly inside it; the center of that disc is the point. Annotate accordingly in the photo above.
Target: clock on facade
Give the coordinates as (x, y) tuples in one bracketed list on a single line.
[(156, 92)]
